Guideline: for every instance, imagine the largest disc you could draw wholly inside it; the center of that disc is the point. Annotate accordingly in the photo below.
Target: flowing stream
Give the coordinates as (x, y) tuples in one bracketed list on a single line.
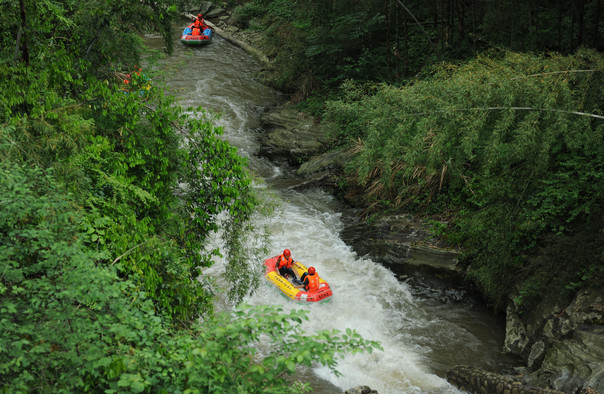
[(423, 333)]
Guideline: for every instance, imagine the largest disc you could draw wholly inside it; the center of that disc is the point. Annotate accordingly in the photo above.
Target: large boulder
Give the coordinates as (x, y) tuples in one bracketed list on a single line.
[(562, 345), (575, 362), (291, 136), (324, 171), (195, 8), (215, 12), (361, 390)]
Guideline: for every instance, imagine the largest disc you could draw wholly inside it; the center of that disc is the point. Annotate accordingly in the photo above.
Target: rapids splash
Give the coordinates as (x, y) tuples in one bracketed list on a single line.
[(422, 337)]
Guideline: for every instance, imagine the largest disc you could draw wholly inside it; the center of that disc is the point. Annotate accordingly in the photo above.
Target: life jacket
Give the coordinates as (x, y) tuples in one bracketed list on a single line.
[(283, 261), (313, 282), (196, 31), (197, 24)]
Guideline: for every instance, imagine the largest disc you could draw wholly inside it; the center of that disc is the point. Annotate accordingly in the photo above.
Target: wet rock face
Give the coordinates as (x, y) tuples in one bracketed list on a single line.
[(406, 247), (575, 362), (387, 239), (516, 338), (291, 136), (564, 347), (207, 8)]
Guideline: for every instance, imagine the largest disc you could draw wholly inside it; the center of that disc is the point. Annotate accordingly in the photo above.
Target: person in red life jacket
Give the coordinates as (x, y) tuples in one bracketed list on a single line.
[(200, 19), (128, 79), (310, 280), (197, 28), (284, 264)]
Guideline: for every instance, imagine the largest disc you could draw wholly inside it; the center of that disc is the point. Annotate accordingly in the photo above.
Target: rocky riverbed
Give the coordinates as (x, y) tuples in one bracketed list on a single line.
[(562, 344)]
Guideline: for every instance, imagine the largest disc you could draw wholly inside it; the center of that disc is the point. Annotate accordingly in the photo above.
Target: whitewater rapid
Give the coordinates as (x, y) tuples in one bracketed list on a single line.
[(422, 337)]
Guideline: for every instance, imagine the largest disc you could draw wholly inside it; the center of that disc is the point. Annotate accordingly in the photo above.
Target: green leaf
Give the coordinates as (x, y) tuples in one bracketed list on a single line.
[(291, 367)]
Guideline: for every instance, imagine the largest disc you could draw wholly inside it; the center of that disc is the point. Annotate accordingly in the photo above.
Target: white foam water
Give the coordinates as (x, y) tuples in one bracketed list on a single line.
[(367, 298), (420, 338)]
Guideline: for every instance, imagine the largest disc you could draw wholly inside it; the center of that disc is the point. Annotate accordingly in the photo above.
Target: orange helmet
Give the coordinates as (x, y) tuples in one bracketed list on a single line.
[(311, 270), (287, 253)]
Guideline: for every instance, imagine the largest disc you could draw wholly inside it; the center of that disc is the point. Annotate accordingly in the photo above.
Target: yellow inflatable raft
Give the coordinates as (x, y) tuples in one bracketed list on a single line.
[(286, 286)]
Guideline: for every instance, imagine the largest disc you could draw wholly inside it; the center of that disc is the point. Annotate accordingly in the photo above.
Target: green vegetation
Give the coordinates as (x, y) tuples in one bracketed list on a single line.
[(487, 116), (508, 144), (108, 196), (315, 45)]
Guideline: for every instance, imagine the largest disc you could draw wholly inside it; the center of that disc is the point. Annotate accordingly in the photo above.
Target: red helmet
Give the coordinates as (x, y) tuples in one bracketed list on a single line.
[(311, 270), (287, 253), (200, 15)]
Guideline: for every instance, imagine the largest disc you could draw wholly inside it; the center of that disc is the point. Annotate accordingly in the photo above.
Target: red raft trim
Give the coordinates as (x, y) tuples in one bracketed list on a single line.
[(296, 294), (201, 39)]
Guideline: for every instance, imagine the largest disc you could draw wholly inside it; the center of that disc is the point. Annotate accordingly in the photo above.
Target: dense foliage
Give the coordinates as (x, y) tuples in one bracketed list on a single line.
[(109, 194), (70, 324), (511, 144), (317, 44)]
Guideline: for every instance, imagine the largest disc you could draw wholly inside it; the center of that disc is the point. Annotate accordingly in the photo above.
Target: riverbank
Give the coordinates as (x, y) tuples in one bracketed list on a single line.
[(560, 342)]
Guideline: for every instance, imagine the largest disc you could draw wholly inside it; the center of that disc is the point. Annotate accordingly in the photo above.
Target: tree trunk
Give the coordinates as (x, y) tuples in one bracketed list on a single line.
[(559, 6), (580, 11), (388, 46), (474, 25), (23, 28), (595, 35), (442, 26), (462, 8), (531, 34), (511, 14)]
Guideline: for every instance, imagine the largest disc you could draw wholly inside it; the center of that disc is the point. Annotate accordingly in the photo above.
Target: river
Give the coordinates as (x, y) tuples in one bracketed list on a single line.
[(424, 333)]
